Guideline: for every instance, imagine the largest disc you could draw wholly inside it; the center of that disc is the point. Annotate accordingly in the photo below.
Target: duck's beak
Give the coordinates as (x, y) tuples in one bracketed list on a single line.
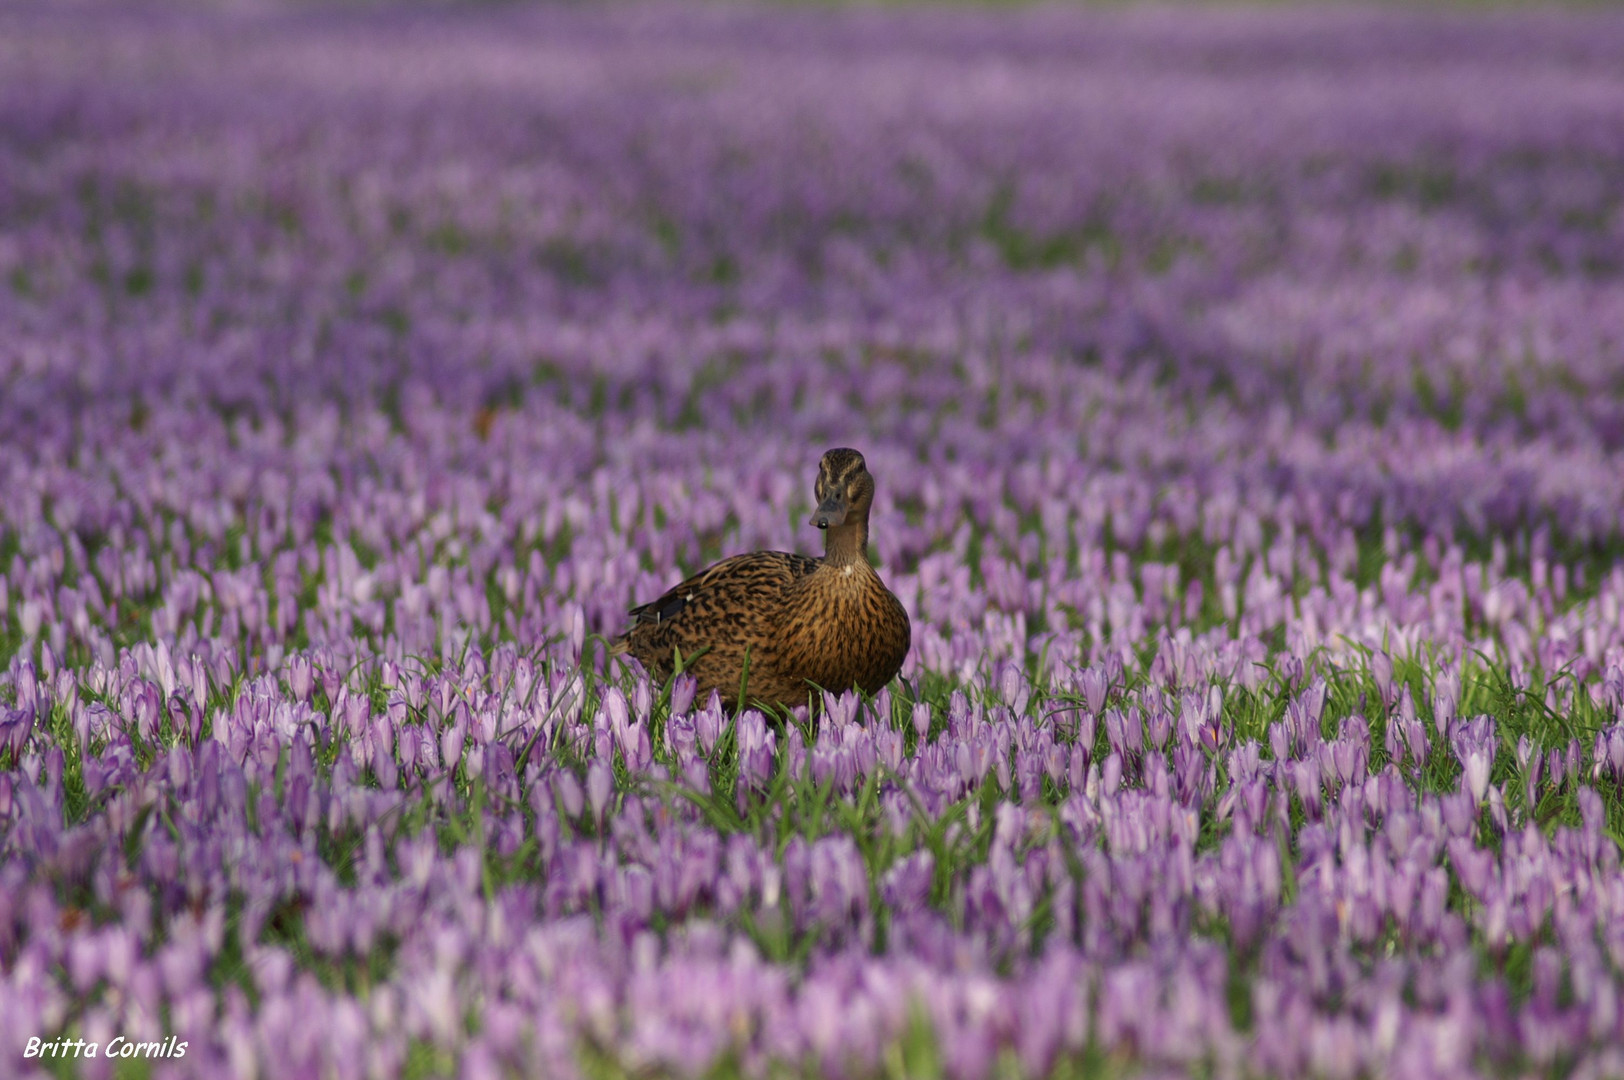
[(831, 512)]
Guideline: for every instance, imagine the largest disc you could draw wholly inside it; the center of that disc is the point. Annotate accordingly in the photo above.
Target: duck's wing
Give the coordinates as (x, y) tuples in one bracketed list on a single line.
[(741, 582), (724, 621)]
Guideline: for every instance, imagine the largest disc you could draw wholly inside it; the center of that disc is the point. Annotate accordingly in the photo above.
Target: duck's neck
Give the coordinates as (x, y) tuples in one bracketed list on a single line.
[(847, 545)]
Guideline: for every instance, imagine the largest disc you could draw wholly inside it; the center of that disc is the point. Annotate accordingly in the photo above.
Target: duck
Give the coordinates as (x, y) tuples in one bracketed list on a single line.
[(773, 627)]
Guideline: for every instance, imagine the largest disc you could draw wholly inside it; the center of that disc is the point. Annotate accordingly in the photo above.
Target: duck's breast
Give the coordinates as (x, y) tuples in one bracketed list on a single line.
[(843, 628)]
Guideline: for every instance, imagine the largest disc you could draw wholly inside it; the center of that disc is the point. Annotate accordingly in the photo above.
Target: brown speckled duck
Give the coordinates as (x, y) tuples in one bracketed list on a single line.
[(802, 622)]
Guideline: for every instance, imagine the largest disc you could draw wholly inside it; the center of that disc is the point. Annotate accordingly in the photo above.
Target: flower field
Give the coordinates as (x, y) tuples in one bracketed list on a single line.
[(1244, 389)]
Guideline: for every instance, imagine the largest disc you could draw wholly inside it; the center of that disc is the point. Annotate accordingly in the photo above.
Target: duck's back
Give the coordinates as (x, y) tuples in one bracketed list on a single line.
[(797, 622), (718, 617)]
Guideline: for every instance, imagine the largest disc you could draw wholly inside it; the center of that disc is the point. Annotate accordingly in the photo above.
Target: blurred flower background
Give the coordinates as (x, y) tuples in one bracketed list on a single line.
[(1244, 391)]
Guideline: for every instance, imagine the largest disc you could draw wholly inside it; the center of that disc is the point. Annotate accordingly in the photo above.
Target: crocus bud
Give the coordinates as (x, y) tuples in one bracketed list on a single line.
[(921, 720), (1477, 775), (600, 787), (568, 790)]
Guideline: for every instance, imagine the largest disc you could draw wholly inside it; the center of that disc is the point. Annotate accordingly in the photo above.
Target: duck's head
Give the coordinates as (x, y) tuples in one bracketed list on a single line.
[(844, 489)]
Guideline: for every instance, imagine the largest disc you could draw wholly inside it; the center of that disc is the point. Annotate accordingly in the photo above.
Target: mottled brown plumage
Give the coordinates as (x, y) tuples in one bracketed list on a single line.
[(802, 622)]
